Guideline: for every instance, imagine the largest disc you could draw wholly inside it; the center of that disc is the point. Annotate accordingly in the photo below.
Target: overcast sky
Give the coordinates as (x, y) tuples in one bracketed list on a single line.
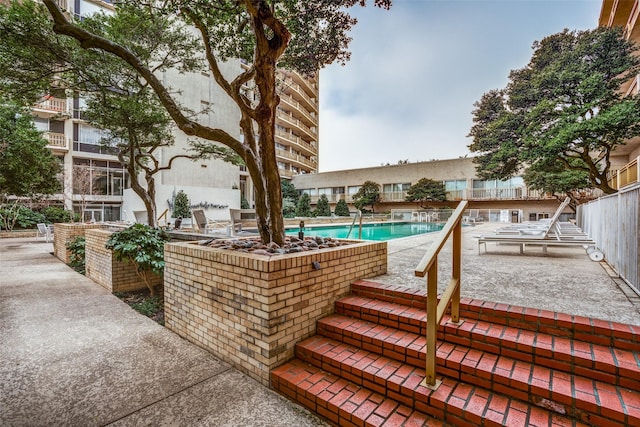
[(416, 71)]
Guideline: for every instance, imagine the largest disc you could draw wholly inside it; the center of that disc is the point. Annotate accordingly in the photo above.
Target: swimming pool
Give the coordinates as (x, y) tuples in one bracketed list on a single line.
[(378, 231)]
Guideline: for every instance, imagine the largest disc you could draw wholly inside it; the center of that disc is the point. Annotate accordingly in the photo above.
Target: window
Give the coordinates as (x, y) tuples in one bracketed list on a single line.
[(455, 185), (99, 177), (395, 188), (353, 189)]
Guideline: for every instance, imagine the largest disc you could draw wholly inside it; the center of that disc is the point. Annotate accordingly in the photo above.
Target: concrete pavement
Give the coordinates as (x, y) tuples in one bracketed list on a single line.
[(73, 354)]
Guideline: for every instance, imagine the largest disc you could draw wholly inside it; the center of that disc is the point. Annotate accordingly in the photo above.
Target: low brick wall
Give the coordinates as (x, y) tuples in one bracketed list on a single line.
[(251, 310), (102, 268), (66, 232)]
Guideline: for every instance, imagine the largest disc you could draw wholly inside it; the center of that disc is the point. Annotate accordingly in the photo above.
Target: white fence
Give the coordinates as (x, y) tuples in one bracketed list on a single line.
[(613, 222)]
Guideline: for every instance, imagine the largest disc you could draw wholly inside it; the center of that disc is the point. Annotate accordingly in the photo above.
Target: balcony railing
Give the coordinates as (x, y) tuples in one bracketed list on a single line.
[(300, 108), (52, 105), (56, 140), (296, 158), (626, 175), (394, 196), (287, 118), (291, 138)]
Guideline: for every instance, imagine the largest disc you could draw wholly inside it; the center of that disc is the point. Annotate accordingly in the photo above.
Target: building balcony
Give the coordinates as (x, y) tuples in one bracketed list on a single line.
[(56, 141), (291, 87), (51, 106), (299, 108), (301, 160), (287, 138), (291, 122), (626, 175)]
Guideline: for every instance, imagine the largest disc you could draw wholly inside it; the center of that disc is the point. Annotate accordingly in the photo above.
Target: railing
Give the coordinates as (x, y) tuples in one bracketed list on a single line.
[(435, 310), (291, 138), (56, 140), (626, 175), (358, 214), (57, 105)]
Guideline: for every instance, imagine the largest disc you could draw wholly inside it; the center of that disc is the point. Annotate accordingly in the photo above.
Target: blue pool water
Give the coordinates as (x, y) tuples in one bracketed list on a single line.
[(382, 231)]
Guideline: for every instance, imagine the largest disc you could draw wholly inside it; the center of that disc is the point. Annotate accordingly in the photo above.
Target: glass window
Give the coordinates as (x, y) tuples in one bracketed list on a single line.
[(353, 190), (455, 185)]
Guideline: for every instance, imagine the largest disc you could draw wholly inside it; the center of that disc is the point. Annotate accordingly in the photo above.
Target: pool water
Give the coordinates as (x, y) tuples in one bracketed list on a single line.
[(380, 232)]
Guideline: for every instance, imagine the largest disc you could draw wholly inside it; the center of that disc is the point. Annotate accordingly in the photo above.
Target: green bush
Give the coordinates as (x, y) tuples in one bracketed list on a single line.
[(304, 206), (322, 207), (244, 204), (77, 254), (54, 214), (341, 208), (143, 246), (181, 206), (19, 217)]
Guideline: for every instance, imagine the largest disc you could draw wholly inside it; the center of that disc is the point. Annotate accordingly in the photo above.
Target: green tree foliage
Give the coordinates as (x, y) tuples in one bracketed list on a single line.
[(290, 198), (54, 214), (27, 167), (117, 100), (322, 207), (426, 190), (341, 208), (302, 36), (562, 115), (367, 195), (304, 206), (244, 203), (181, 206), (143, 246), (77, 254)]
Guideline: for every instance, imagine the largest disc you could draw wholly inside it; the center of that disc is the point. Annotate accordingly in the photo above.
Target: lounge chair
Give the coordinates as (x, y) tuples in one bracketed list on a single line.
[(552, 233), (473, 217), (207, 225)]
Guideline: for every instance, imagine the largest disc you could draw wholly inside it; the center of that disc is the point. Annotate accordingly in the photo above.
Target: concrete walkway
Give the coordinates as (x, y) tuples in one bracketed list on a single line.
[(72, 354)]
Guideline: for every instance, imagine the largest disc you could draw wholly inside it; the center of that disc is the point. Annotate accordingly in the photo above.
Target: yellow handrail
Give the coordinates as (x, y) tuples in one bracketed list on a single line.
[(435, 311)]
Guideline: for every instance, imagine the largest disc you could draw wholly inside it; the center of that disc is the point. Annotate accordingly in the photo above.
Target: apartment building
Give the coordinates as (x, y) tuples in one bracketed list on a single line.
[(297, 121), (458, 176), (626, 159), (93, 176)]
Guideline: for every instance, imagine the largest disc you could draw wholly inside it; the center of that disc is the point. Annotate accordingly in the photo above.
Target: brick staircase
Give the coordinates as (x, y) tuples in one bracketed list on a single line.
[(503, 365)]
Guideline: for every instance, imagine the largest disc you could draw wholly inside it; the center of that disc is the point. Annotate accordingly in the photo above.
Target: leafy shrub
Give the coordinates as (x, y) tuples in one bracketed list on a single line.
[(322, 207), (181, 206), (143, 246), (19, 217), (77, 254), (244, 204), (341, 208), (54, 214), (304, 206)]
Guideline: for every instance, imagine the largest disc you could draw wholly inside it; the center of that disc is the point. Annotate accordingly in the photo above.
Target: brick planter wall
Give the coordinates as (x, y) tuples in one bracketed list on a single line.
[(102, 268), (250, 310), (66, 232)]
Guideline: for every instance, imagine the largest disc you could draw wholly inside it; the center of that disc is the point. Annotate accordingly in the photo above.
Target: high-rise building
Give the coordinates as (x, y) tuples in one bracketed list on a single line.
[(95, 179)]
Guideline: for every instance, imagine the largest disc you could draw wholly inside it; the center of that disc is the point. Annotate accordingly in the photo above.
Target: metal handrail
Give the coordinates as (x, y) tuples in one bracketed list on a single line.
[(358, 214), (435, 310)]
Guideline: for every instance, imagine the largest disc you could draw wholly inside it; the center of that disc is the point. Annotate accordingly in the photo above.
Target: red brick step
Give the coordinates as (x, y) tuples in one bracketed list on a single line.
[(615, 366), (530, 383), (347, 404)]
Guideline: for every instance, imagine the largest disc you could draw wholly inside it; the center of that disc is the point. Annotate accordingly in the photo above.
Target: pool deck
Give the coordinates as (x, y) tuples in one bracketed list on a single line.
[(564, 280)]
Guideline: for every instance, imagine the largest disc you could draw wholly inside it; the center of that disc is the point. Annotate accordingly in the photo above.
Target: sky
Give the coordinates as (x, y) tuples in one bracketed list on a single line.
[(416, 70)]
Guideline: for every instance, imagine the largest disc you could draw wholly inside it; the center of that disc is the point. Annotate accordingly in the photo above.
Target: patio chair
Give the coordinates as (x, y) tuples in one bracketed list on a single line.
[(473, 217), (552, 233), (45, 231)]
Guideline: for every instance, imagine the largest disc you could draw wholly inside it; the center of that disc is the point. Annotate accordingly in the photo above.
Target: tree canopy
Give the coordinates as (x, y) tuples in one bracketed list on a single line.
[(117, 100), (300, 35), (27, 166), (367, 195), (426, 190), (322, 207), (560, 117)]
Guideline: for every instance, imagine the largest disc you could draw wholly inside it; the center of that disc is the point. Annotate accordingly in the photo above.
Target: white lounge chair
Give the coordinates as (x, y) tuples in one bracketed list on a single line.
[(45, 231)]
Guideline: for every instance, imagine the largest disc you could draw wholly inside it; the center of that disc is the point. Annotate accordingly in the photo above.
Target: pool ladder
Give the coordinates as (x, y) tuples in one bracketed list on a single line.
[(358, 214)]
